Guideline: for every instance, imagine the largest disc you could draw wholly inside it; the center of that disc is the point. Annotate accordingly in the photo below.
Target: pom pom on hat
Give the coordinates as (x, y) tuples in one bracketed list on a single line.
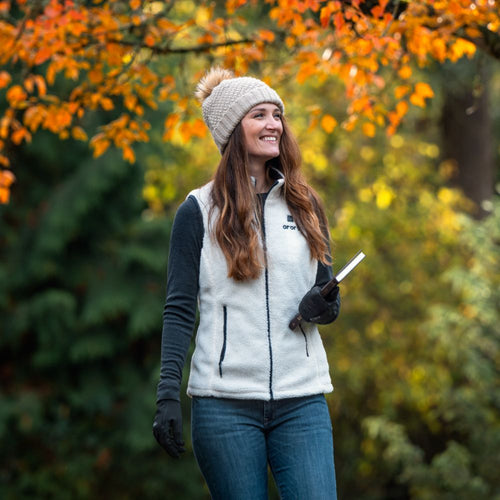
[(211, 80), (226, 99)]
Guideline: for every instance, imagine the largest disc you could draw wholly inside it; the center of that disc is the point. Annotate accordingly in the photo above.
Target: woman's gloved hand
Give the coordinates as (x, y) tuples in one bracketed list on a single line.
[(167, 427), (318, 309)]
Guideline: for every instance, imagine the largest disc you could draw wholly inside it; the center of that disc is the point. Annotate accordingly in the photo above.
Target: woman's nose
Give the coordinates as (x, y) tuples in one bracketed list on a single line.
[(271, 122)]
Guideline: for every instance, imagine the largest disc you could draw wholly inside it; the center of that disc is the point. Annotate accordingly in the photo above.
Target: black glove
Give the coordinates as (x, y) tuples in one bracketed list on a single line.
[(318, 309), (167, 427)]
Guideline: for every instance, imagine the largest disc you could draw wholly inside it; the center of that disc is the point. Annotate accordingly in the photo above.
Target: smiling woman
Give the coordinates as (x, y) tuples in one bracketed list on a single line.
[(257, 387), (262, 129)]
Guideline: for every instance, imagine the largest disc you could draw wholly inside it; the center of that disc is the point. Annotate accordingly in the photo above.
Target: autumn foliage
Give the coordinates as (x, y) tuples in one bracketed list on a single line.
[(63, 60)]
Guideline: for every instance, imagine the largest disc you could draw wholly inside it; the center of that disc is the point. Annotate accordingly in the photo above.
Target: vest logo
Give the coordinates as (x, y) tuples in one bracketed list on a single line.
[(292, 227)]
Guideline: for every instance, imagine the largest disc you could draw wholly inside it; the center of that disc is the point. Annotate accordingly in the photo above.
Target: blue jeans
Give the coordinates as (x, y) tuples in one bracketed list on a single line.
[(234, 440)]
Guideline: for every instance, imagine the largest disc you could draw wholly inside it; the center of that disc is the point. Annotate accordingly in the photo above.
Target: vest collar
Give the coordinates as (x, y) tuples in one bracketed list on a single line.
[(277, 177), (279, 180)]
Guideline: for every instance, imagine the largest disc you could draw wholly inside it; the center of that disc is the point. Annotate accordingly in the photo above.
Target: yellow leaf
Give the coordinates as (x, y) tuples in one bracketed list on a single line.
[(384, 197), (328, 123), (185, 131), (462, 48)]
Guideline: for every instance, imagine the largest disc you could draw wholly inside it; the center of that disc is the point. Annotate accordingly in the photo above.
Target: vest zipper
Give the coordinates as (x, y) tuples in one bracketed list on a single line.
[(224, 331), (266, 280), (305, 339)]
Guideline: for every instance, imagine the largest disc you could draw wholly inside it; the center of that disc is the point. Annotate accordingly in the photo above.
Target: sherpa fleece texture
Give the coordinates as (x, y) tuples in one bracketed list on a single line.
[(244, 348)]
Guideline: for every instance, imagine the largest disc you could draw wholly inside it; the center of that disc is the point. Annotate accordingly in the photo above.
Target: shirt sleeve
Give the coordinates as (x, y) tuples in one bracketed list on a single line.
[(179, 313)]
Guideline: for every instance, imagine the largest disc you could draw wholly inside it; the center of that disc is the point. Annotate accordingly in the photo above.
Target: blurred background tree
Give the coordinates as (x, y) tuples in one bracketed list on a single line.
[(414, 354)]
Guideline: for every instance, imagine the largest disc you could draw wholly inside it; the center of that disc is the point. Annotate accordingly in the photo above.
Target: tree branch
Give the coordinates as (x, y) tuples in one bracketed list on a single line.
[(184, 50)]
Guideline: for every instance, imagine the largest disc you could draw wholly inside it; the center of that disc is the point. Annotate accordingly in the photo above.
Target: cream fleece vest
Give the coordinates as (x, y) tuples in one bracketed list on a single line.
[(244, 348)]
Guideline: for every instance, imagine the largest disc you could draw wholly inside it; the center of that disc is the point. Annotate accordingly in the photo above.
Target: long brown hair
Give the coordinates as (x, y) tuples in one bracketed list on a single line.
[(236, 229)]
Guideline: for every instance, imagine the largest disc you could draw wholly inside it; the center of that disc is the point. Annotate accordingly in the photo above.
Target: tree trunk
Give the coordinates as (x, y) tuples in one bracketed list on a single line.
[(468, 138)]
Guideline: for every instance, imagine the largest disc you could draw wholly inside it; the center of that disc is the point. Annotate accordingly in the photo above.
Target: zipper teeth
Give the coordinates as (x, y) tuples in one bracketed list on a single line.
[(223, 351), (268, 312), (305, 338), (269, 336)]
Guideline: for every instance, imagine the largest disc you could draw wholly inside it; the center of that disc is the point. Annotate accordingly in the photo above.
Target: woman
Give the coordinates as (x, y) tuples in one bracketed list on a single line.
[(252, 248)]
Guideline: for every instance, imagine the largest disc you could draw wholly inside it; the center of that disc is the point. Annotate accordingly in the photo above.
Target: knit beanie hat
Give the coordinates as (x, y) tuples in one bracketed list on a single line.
[(226, 99)]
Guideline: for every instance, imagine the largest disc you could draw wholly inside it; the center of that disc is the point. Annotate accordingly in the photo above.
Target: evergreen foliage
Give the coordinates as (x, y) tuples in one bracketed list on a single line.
[(82, 274)]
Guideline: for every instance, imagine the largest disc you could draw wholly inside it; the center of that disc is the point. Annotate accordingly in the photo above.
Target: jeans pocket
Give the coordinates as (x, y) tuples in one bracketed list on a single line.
[(224, 333)]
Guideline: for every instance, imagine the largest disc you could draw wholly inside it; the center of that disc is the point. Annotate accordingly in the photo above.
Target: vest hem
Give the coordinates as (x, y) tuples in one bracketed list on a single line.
[(259, 395)]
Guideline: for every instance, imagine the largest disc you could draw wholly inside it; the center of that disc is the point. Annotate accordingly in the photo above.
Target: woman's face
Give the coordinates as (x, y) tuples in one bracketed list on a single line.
[(262, 129)]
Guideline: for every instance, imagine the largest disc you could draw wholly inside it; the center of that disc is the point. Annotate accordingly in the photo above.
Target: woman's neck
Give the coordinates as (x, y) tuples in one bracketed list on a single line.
[(258, 171)]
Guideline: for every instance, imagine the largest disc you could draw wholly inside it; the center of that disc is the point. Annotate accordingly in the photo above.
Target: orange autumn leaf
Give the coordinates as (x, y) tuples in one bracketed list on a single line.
[(185, 131), (6, 178), (405, 72), (16, 94), (99, 144), (5, 79), (106, 103), (4, 195), (101, 52), (79, 134), (19, 135), (128, 154), (401, 90), (42, 55), (328, 123), (199, 128), (401, 108), (41, 85), (462, 48), (421, 92), (149, 40), (439, 49), (266, 35), (368, 129)]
